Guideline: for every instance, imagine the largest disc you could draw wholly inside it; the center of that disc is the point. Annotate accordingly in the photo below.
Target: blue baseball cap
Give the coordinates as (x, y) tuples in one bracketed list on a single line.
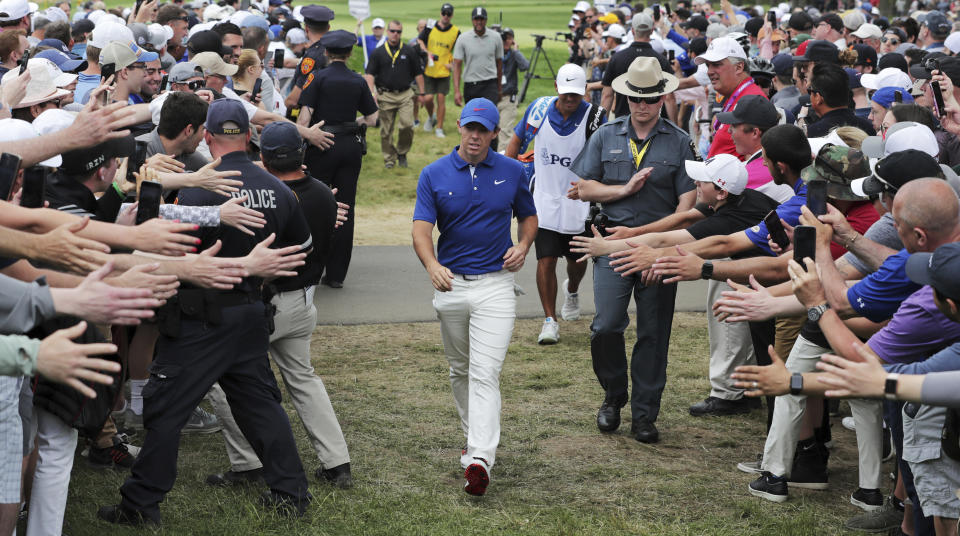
[(280, 138), (66, 63), (885, 96), (937, 269), (54, 43), (223, 111), (254, 20), (481, 111)]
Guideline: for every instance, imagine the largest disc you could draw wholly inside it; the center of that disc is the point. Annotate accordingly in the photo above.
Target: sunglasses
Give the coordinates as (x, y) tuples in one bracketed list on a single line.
[(447, 13), (645, 100), (196, 84), (394, 31), (891, 40)]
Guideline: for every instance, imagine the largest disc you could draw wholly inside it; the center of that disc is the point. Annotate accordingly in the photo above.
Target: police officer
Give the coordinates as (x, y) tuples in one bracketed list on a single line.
[(335, 95), (220, 336), (316, 21), (281, 150), (634, 166)]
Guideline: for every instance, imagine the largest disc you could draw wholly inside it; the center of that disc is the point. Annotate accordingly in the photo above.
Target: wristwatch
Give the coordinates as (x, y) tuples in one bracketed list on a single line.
[(814, 313), (890, 386), (796, 383), (706, 272)]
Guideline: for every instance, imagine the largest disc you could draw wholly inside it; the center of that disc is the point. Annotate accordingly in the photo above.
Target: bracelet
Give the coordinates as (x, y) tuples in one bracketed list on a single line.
[(119, 190), (849, 245)]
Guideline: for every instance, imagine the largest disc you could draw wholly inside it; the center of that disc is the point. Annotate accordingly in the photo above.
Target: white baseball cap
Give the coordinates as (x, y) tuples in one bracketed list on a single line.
[(106, 32), (571, 79), (832, 138), (900, 137), (296, 36), (378, 23), (889, 77), (724, 170), (53, 120), (953, 42), (720, 49), (16, 9), (868, 31), (17, 129), (581, 6), (615, 31)]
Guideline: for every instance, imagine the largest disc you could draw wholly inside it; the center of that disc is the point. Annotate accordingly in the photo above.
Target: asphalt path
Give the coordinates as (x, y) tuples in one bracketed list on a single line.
[(388, 284)]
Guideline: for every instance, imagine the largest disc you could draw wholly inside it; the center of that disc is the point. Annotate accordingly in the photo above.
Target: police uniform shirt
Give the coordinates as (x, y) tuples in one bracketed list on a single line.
[(473, 211), (266, 194), (607, 158), (394, 69), (620, 62), (314, 59), (336, 94), (320, 210)]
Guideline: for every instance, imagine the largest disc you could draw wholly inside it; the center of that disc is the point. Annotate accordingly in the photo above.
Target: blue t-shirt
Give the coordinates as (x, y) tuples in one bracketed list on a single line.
[(789, 211), (879, 295), (371, 40), (85, 84), (473, 213), (80, 49), (561, 126)]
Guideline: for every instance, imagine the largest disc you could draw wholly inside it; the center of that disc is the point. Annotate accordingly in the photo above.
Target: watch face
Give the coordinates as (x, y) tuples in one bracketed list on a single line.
[(812, 315)]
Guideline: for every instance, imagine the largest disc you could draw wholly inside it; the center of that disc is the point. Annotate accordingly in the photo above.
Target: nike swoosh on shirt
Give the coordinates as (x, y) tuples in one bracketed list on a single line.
[(500, 182)]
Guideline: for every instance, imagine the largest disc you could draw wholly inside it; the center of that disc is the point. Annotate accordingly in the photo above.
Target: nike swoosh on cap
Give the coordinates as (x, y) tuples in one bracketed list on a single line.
[(570, 79)]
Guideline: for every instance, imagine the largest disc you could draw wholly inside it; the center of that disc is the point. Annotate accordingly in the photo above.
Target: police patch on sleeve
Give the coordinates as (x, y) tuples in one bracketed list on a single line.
[(309, 81), (696, 152), (306, 66)]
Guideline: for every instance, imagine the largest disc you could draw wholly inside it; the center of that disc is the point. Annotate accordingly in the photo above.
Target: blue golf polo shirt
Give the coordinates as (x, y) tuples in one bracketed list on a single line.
[(473, 212), (879, 295), (789, 211)]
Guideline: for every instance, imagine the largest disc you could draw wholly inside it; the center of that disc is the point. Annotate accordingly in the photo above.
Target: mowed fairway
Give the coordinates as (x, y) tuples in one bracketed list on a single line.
[(555, 473)]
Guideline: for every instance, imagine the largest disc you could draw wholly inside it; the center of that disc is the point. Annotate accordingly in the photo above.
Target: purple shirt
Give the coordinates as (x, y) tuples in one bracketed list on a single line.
[(917, 330)]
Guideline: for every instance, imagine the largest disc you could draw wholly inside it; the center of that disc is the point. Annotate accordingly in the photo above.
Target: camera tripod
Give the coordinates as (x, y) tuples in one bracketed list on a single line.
[(538, 52)]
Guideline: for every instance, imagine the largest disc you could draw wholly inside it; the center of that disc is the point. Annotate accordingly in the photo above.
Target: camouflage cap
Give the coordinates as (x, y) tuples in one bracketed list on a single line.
[(839, 166)]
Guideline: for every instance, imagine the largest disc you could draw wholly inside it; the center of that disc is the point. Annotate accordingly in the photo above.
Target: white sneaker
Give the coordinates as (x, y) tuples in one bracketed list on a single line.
[(439, 133), (550, 333), (848, 423), (571, 303), (428, 124)]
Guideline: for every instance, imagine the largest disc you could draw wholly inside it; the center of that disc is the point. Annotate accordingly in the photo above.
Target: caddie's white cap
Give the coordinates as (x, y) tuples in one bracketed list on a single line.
[(378, 23), (571, 79), (724, 170), (720, 49)]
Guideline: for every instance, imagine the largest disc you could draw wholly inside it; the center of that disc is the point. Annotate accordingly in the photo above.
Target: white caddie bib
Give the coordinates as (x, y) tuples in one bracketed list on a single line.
[(553, 155)]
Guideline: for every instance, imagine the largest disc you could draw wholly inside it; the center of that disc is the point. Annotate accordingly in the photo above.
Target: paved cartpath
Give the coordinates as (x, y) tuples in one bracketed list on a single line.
[(388, 284)]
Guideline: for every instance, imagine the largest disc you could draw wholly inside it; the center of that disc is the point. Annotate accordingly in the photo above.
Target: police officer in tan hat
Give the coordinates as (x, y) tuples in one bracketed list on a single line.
[(634, 167)]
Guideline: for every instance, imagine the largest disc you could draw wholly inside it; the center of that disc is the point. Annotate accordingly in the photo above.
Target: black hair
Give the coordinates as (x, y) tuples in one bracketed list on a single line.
[(227, 28), (832, 83), (317, 27), (180, 109), (914, 55), (910, 26), (914, 112), (282, 162), (787, 144)]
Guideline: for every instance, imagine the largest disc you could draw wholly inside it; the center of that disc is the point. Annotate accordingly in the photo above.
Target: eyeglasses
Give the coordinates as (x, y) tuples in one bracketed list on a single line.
[(137, 66), (891, 40), (394, 31), (645, 100)]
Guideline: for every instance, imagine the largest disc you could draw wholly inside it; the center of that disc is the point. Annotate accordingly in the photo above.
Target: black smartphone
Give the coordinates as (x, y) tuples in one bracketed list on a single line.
[(937, 97), (23, 61), (136, 8), (772, 17), (34, 179), (106, 71), (776, 230), (666, 7), (817, 197), (163, 82), (898, 96), (137, 160), (278, 58), (656, 12), (671, 55), (256, 90), (9, 165), (804, 243), (148, 206)]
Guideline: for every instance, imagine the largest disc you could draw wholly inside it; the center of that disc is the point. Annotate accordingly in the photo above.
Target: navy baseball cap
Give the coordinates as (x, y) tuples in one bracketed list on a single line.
[(317, 13), (754, 110), (81, 162), (938, 269), (222, 112), (782, 64), (55, 44), (820, 51), (65, 62), (446, 9), (478, 13), (481, 111), (204, 41), (936, 22), (83, 26), (280, 138)]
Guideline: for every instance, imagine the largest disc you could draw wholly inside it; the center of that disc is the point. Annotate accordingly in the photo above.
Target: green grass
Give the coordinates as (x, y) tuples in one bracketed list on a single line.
[(555, 473)]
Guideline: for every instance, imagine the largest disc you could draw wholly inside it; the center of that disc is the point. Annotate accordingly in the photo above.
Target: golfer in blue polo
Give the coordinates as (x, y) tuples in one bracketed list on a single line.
[(471, 195)]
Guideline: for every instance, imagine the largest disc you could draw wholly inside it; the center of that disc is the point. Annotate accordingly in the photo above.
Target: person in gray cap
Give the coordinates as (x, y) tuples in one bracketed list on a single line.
[(934, 29), (316, 22), (478, 62), (282, 152)]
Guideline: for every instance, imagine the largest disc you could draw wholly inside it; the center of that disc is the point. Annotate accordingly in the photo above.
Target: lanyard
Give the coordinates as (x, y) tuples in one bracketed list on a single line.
[(638, 154), (393, 55), (731, 101)]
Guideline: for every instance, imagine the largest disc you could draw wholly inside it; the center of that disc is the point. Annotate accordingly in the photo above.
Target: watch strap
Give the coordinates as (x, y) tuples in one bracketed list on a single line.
[(890, 386), (796, 383)]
